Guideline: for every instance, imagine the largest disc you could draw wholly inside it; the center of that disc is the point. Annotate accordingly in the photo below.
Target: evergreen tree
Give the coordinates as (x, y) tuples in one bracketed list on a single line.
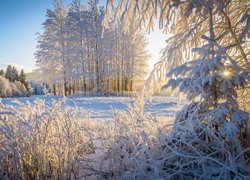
[(15, 76), (22, 79), (2, 72), (214, 78), (8, 74), (12, 74)]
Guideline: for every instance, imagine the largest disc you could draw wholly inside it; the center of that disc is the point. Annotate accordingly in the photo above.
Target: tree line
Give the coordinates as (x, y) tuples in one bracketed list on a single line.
[(13, 83), (75, 55)]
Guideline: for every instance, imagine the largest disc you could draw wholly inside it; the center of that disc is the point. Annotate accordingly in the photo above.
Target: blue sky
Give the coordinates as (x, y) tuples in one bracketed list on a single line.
[(21, 19)]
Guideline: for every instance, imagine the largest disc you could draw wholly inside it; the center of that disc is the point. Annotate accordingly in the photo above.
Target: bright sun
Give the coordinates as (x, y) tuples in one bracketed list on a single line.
[(226, 73)]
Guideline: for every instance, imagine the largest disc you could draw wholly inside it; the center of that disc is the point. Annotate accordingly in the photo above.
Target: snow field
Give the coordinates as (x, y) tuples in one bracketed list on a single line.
[(101, 108)]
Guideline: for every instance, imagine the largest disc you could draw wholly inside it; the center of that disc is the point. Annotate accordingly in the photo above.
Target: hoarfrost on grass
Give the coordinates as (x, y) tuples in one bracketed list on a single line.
[(61, 141)]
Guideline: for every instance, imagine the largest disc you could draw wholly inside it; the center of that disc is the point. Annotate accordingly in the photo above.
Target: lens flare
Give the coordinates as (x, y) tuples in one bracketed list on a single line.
[(226, 73)]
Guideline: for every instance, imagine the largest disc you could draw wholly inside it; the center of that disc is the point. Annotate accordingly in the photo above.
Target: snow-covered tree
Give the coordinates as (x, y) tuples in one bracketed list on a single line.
[(18, 89), (51, 55), (95, 60), (11, 74), (214, 78), (76, 23), (126, 58), (8, 74), (186, 21), (12, 89), (5, 88), (22, 79), (209, 47)]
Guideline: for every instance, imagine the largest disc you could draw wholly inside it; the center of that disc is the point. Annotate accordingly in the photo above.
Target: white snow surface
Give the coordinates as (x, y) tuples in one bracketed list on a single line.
[(100, 108)]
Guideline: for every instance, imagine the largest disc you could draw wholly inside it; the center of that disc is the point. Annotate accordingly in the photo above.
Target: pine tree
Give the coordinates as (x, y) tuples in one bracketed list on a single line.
[(15, 75), (8, 74), (11, 74), (214, 78), (22, 79)]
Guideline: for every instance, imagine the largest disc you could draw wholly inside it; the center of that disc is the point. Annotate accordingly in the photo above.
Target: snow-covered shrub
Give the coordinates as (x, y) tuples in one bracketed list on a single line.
[(5, 87), (41, 142), (194, 151), (18, 89), (12, 89), (39, 89), (56, 142), (126, 146), (147, 148)]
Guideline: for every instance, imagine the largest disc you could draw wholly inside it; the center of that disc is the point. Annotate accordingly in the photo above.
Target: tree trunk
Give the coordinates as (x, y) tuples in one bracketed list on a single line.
[(54, 89)]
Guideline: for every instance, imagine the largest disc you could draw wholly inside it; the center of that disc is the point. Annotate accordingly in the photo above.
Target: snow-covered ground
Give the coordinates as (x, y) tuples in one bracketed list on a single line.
[(102, 107), (129, 146)]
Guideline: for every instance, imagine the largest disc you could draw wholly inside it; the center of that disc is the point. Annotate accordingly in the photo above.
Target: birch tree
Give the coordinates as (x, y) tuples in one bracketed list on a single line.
[(75, 52), (51, 51)]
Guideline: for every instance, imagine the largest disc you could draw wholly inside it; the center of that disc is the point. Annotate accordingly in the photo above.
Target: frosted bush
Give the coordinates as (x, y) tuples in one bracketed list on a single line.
[(5, 88), (18, 89), (145, 148), (12, 89), (41, 142), (59, 142), (21, 90)]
